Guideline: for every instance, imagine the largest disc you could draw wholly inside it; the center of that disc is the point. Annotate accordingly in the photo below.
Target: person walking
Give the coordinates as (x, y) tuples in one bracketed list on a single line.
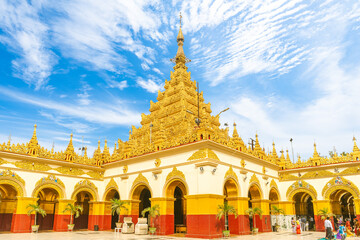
[(328, 228), (302, 223), (293, 225)]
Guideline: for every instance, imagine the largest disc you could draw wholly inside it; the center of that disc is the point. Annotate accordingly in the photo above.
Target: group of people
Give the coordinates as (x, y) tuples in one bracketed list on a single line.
[(344, 229), (301, 224)]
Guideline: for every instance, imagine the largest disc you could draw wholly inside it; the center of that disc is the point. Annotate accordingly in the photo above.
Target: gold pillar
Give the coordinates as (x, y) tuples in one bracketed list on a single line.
[(321, 204), (240, 203), (288, 207)]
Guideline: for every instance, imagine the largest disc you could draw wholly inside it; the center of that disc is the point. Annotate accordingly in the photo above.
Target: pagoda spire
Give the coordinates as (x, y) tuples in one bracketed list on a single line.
[(235, 133), (355, 148), (33, 146), (274, 151), (69, 152), (106, 153), (180, 59), (316, 154), (356, 151)]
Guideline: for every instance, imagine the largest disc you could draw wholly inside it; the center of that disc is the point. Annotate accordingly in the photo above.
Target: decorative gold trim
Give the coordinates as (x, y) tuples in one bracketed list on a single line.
[(11, 175), (254, 179), (273, 185), (70, 171), (318, 174), (50, 181), (20, 188), (85, 185), (175, 173), (350, 171), (2, 161), (157, 162), (32, 166), (111, 184), (125, 169), (231, 174), (95, 174), (339, 183), (140, 179), (202, 154), (301, 186)]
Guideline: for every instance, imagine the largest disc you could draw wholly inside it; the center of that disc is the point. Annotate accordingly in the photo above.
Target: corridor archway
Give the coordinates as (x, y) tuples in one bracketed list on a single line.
[(111, 194), (8, 203), (48, 200), (176, 189), (141, 193), (82, 198), (255, 196), (304, 207), (342, 204), (231, 194)]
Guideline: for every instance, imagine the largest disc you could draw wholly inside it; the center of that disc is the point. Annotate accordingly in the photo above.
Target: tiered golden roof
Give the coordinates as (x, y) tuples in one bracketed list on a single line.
[(179, 116)]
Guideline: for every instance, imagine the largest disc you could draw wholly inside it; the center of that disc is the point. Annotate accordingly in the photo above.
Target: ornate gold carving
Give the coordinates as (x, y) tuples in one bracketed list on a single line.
[(340, 183), (300, 186), (112, 184), (231, 174), (70, 171), (264, 170), (20, 189), (2, 161), (273, 184), (140, 179), (85, 183), (287, 177), (157, 162), (318, 174), (254, 179), (125, 169), (32, 166), (242, 163), (351, 171), (50, 181), (7, 173), (202, 154), (95, 174), (175, 173)]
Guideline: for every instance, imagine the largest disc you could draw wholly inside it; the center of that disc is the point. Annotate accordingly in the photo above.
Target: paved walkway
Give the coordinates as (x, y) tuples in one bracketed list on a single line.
[(90, 235)]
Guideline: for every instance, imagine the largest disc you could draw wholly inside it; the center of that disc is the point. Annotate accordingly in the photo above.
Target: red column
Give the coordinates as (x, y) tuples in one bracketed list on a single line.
[(61, 222), (204, 226)]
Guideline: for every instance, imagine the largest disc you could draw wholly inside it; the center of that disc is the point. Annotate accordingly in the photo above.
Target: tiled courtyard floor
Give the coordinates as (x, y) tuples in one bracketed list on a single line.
[(90, 235)]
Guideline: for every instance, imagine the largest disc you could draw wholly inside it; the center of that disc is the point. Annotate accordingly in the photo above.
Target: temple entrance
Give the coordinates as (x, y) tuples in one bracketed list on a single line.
[(254, 196), (82, 198), (342, 205), (145, 196), (177, 190), (230, 192), (304, 208), (113, 193), (8, 202), (48, 200)]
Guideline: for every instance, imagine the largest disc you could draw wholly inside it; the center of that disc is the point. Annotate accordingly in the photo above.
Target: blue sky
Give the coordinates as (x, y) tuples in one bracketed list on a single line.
[(287, 69)]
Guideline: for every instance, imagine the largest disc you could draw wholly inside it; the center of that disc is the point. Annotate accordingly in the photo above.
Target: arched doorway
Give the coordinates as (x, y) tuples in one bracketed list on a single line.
[(83, 198), (274, 201), (342, 205), (176, 189), (8, 202), (254, 195), (304, 208), (111, 194), (142, 194), (48, 200), (230, 192)]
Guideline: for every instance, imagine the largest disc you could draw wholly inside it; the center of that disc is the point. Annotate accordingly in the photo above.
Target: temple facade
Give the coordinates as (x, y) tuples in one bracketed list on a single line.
[(181, 159)]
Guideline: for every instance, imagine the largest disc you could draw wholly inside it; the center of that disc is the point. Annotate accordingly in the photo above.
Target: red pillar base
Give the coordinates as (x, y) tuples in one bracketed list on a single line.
[(21, 223), (164, 225), (239, 225), (61, 222), (204, 226), (319, 224), (96, 220)]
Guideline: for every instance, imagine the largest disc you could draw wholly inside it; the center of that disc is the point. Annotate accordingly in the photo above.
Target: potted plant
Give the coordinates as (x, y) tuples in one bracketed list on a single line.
[(224, 210), (277, 211), (116, 206), (73, 210), (252, 213), (37, 210), (154, 211)]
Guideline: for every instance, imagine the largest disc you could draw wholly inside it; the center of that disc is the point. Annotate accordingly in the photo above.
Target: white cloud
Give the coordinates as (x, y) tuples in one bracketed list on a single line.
[(26, 35), (96, 113), (149, 85)]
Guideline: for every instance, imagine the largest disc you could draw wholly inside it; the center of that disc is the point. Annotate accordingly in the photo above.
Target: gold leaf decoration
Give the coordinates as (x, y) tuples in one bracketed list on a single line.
[(351, 171), (95, 174), (340, 183), (111, 184), (85, 183), (32, 166), (157, 162), (299, 186), (51, 178), (203, 154), (7, 173), (287, 177), (254, 179), (70, 171), (318, 174), (140, 179), (273, 184), (175, 173), (125, 169), (2, 161), (231, 174)]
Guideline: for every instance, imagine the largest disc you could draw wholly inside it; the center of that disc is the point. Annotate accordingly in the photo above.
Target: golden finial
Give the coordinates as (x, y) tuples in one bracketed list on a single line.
[(180, 19)]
